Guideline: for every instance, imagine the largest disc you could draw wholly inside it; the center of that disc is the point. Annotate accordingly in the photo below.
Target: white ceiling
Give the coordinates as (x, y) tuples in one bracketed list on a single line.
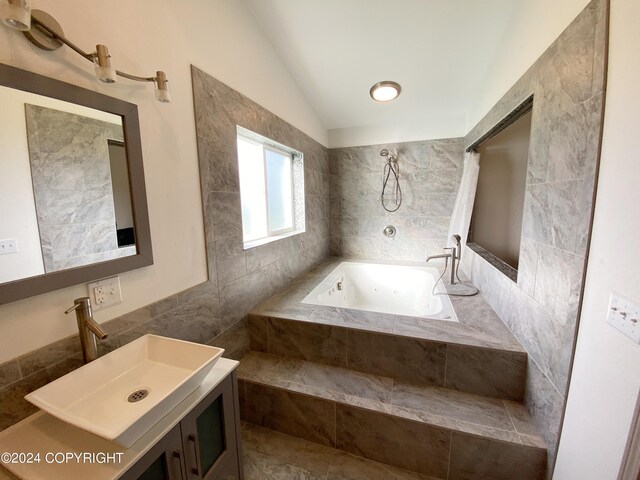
[(438, 50)]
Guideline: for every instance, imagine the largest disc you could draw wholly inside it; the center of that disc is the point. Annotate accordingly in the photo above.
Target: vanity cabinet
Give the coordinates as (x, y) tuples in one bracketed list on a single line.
[(203, 446)]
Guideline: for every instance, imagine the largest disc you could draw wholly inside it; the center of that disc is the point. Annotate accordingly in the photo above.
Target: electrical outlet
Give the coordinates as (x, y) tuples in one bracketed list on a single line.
[(100, 295), (105, 292), (9, 245), (624, 314)]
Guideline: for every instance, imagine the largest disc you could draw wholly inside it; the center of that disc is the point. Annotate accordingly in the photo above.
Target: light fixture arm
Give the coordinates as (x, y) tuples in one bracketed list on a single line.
[(45, 29), (89, 56)]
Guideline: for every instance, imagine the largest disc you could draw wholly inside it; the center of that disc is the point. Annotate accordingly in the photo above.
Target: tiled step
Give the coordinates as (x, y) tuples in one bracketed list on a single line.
[(430, 430), (490, 371), (270, 455)]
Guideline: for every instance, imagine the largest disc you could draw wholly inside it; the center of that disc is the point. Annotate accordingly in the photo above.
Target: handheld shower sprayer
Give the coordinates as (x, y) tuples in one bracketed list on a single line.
[(457, 239), (391, 167)]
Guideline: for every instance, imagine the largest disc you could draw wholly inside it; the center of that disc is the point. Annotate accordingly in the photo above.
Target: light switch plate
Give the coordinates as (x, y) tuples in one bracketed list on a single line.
[(105, 292), (624, 314), (8, 245)]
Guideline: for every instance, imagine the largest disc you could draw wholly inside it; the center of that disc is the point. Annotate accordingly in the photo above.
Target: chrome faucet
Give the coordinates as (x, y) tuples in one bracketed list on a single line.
[(454, 255), (88, 328)]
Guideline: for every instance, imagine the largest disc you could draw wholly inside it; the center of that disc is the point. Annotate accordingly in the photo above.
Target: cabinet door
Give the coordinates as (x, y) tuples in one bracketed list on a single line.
[(209, 433), (230, 470), (165, 460)]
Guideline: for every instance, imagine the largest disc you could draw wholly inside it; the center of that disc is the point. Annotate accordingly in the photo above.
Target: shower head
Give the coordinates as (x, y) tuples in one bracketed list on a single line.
[(391, 156)]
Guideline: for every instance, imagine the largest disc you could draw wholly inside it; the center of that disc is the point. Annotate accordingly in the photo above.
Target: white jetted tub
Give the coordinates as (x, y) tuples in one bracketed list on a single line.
[(374, 287)]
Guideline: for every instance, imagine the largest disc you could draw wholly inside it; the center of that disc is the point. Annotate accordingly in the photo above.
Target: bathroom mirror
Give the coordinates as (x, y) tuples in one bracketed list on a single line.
[(73, 203)]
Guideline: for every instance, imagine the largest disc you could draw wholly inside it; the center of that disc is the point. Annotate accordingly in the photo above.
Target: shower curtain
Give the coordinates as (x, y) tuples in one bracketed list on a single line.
[(461, 217)]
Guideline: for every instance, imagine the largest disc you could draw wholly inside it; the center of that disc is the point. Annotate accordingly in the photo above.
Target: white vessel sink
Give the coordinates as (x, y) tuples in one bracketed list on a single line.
[(107, 396)]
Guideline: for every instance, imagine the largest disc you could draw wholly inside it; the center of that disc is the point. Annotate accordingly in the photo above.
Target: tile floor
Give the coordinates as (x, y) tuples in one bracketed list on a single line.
[(270, 455)]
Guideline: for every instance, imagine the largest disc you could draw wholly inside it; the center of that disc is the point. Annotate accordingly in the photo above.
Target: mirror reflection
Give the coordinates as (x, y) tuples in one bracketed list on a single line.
[(65, 196)]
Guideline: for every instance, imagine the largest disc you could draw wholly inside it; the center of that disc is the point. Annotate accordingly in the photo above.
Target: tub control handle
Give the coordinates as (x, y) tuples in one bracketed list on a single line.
[(389, 231)]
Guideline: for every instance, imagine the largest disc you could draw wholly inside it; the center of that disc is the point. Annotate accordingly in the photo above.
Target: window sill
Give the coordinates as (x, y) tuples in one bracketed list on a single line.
[(500, 265), (264, 241)]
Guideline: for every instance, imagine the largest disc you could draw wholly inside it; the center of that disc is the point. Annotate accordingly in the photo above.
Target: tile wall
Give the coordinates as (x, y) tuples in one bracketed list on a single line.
[(71, 172), (430, 173), (542, 307)]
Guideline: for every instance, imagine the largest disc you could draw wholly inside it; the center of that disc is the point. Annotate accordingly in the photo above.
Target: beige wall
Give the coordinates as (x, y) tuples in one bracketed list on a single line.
[(497, 211), (220, 36)]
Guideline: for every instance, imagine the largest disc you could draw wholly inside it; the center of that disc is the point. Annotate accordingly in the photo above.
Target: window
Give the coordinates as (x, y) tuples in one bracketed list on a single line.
[(271, 189), (496, 224)]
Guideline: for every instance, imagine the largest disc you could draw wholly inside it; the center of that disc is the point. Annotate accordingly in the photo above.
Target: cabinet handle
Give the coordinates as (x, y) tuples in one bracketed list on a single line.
[(196, 452), (177, 454)]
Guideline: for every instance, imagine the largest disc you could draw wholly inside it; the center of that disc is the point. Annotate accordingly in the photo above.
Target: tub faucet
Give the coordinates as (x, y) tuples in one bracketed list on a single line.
[(88, 329), (454, 255)]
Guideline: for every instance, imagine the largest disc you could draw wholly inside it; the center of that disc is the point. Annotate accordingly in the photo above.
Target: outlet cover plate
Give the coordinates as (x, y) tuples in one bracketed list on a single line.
[(8, 245), (105, 292), (624, 314)]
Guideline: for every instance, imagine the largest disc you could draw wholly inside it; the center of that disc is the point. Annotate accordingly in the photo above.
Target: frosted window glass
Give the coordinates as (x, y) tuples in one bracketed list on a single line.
[(252, 190), (279, 193)]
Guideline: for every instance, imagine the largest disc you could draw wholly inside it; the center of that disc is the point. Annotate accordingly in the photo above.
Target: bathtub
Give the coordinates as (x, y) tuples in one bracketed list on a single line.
[(375, 287)]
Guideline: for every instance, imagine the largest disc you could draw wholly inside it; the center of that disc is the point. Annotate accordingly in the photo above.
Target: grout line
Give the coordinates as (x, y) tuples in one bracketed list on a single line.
[(346, 349), (393, 390), (512, 422), (450, 449), (244, 388), (446, 364), (267, 321), (335, 424), (19, 370), (326, 477)]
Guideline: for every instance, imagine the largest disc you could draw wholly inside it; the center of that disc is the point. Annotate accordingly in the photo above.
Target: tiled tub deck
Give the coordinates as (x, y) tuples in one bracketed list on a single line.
[(439, 398)]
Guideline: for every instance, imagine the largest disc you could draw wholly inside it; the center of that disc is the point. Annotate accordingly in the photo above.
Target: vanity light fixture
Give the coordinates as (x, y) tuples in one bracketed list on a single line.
[(385, 91), (16, 14), (104, 71), (45, 32), (162, 88)]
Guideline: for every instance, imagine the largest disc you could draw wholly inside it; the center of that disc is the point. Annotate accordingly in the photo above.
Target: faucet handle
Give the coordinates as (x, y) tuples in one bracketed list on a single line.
[(67, 312), (84, 302)]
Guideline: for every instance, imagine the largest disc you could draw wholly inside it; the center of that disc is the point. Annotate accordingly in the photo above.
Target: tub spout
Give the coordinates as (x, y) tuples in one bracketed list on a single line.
[(447, 256)]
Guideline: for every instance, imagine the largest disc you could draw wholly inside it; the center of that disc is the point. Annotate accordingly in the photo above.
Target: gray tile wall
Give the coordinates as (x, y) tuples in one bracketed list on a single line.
[(430, 173), (542, 307), (71, 174), (246, 278), (214, 311)]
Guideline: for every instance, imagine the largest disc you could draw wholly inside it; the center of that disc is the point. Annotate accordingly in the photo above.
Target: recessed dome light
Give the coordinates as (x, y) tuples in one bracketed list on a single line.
[(385, 91)]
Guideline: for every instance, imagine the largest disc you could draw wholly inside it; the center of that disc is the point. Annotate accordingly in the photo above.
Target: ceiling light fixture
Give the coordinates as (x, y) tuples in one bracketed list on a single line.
[(45, 32), (385, 91)]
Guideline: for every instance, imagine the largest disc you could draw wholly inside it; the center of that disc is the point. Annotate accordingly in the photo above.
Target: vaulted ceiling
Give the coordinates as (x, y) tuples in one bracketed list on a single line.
[(438, 50)]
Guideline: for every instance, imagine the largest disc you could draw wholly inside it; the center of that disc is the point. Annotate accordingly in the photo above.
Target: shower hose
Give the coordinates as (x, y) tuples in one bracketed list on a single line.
[(391, 168)]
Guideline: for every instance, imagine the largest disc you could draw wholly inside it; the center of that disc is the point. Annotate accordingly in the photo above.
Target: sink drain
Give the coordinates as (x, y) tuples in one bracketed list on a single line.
[(138, 395)]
